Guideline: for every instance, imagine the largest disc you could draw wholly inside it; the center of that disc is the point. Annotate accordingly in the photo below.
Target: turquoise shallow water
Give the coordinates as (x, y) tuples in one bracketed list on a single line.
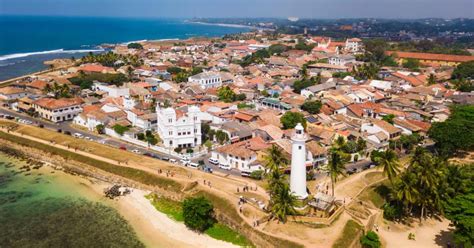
[(47, 208), (27, 41)]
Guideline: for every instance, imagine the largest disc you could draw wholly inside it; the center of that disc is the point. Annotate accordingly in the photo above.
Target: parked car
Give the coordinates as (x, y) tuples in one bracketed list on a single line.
[(193, 165), (165, 158), (225, 167), (67, 133), (78, 135), (136, 151), (60, 130), (172, 160), (213, 161), (208, 169), (185, 162), (122, 147)]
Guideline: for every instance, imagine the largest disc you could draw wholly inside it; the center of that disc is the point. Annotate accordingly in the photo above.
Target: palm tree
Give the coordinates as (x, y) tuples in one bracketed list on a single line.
[(405, 189), (335, 167), (275, 159), (388, 160), (283, 203)]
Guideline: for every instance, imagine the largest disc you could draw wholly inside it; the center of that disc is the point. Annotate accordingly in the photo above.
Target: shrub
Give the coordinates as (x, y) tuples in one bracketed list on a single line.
[(178, 149), (189, 150), (258, 174), (141, 136), (120, 129), (198, 213), (370, 240), (391, 212)]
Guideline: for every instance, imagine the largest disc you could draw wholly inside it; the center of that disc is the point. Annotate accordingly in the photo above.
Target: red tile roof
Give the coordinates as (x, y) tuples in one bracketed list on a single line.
[(51, 103)]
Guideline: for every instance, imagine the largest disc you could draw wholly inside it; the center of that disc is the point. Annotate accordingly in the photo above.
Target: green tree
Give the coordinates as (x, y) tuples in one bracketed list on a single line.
[(460, 210), (222, 137), (464, 70), (432, 79), (412, 64), (174, 70), (312, 107), (336, 165), (181, 77), (120, 129), (455, 134), (389, 118), (275, 159), (283, 203), (370, 240), (226, 94), (134, 45), (366, 71), (100, 129), (196, 70), (388, 160), (277, 49), (290, 119), (198, 213)]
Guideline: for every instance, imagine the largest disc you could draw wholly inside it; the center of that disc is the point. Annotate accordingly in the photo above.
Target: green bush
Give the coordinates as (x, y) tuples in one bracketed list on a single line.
[(120, 129), (391, 212), (178, 149), (141, 136), (134, 45), (198, 213), (258, 174), (370, 240)]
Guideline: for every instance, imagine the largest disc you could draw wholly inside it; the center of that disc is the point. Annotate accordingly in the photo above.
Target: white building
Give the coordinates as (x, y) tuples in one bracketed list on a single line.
[(12, 93), (353, 45), (112, 90), (57, 110), (179, 128), (241, 155), (341, 60), (298, 163), (206, 80)]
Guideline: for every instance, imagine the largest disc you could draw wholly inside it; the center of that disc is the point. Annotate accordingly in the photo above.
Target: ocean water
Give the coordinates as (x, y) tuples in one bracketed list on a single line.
[(46, 208), (27, 41)]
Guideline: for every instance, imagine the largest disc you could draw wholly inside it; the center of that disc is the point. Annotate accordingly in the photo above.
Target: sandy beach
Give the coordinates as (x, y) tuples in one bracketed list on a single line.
[(153, 228), (156, 229)]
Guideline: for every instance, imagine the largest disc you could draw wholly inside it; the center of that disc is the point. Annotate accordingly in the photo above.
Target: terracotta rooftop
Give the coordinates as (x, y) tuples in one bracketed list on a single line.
[(51, 103)]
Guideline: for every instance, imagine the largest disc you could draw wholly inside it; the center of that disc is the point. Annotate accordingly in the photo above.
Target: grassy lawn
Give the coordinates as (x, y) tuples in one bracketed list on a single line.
[(126, 172), (167, 206), (174, 210), (224, 233), (226, 207), (349, 233), (376, 194)]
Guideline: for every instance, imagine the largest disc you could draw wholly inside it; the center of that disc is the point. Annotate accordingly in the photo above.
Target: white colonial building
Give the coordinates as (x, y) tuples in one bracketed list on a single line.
[(179, 127), (341, 59), (57, 110), (353, 45), (206, 80)]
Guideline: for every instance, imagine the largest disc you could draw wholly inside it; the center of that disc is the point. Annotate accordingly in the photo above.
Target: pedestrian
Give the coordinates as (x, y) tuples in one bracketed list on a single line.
[(237, 189), (240, 209), (204, 181)]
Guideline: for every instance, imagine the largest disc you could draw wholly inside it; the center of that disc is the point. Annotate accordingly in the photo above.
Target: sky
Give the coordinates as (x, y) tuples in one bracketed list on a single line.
[(332, 9)]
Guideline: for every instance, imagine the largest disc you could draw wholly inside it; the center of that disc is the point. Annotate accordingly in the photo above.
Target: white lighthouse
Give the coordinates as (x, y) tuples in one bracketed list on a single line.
[(298, 163)]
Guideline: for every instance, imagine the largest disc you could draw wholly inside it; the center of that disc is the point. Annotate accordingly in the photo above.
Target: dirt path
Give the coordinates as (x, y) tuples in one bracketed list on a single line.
[(430, 233)]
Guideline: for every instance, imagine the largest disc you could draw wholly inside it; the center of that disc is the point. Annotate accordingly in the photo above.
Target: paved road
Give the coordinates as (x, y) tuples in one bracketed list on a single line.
[(66, 127)]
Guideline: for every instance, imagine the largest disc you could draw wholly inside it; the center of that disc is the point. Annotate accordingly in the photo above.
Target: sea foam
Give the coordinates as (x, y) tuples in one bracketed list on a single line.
[(21, 55)]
